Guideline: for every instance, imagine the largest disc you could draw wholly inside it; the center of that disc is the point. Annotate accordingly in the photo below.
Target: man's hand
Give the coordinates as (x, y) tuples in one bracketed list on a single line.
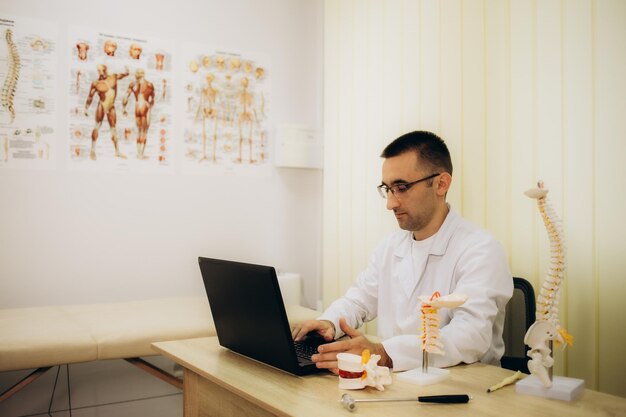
[(357, 342), (323, 327)]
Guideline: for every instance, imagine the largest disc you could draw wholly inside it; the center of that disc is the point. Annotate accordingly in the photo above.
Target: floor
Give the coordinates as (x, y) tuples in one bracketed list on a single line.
[(97, 389)]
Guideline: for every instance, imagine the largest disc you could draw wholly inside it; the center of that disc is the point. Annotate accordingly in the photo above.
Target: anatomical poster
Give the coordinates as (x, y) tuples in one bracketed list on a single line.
[(28, 73), (226, 108), (120, 102)]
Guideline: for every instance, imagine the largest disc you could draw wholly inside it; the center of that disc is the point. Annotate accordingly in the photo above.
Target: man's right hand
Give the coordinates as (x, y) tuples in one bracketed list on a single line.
[(324, 328)]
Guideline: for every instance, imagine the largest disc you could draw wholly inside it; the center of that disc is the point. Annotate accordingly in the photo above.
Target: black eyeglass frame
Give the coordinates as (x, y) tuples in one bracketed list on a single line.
[(402, 188)]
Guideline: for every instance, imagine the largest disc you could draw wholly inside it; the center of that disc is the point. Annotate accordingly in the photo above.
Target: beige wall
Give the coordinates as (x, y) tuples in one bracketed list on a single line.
[(521, 90)]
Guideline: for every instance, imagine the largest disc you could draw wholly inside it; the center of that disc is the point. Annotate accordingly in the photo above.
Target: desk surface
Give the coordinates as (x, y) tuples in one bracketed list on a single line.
[(280, 393)]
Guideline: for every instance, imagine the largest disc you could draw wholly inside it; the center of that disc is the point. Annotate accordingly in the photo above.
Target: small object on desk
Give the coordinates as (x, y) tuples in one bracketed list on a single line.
[(431, 342), (506, 381), (358, 372), (349, 402)]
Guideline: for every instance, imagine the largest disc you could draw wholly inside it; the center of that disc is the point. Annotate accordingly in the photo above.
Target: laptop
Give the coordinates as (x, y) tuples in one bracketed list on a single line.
[(250, 317)]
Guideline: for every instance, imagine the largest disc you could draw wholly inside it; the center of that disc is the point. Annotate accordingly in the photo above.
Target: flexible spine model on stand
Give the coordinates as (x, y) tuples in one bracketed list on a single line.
[(547, 327)]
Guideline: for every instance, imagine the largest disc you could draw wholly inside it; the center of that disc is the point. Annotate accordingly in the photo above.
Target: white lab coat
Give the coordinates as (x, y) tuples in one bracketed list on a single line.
[(461, 258)]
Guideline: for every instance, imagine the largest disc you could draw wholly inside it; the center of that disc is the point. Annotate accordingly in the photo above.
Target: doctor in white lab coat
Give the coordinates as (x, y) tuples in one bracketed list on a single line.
[(436, 250)]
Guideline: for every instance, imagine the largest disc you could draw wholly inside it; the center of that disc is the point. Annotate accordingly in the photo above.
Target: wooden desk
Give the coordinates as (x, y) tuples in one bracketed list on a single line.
[(218, 382)]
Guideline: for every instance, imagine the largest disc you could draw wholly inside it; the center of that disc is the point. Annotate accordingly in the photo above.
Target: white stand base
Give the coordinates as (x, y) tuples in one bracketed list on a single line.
[(565, 389), (416, 376)]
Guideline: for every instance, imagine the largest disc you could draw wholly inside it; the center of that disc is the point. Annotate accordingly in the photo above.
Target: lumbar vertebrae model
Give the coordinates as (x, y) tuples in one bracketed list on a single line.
[(357, 372)]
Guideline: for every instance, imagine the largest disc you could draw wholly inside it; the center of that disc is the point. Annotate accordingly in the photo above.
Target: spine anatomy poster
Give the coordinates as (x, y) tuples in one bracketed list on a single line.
[(120, 103), (226, 105), (28, 73)]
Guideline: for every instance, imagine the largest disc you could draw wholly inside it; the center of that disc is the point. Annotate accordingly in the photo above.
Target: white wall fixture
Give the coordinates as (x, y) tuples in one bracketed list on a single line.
[(298, 147)]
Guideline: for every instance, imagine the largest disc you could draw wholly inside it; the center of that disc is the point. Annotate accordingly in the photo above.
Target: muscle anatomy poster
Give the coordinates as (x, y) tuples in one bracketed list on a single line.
[(28, 73), (226, 107), (120, 103)]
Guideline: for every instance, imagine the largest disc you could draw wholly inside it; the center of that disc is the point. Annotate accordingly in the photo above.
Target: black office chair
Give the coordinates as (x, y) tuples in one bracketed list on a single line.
[(520, 315)]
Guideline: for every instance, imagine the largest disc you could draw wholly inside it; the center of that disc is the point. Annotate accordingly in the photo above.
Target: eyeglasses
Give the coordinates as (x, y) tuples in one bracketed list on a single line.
[(399, 189)]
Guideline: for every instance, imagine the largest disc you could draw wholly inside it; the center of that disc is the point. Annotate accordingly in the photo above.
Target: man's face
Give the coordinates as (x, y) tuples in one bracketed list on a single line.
[(414, 209)]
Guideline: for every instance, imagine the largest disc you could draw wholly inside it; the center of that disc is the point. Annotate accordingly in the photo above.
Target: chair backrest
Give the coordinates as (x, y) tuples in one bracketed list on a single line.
[(520, 315)]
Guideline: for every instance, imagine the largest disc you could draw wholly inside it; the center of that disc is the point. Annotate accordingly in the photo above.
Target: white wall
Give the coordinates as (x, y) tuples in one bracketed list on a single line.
[(70, 237)]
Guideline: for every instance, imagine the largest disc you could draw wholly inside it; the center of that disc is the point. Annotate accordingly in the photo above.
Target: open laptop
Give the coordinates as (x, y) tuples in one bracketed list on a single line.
[(250, 317)]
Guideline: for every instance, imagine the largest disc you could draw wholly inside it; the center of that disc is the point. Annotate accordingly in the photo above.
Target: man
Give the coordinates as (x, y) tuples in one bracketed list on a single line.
[(106, 87), (143, 90), (436, 250)]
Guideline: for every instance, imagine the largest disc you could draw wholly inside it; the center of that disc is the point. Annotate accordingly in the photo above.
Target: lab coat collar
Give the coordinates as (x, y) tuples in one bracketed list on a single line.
[(441, 238), (404, 268)]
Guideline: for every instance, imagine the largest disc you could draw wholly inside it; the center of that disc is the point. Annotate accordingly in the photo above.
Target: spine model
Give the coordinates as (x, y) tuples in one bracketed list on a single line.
[(430, 326), (10, 83), (550, 293), (430, 318)]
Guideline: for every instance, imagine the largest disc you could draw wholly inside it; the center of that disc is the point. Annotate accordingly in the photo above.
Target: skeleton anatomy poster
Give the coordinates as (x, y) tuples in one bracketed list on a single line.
[(120, 102), (28, 72), (226, 104)]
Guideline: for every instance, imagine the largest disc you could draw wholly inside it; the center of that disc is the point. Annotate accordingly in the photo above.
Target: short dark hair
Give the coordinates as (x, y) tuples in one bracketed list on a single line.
[(430, 149)]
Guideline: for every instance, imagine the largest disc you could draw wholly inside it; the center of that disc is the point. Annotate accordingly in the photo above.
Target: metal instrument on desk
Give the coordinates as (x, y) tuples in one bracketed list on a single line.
[(349, 402)]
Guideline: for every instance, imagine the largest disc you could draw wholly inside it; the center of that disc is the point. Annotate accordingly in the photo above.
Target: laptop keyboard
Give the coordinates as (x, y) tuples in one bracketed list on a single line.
[(305, 350)]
